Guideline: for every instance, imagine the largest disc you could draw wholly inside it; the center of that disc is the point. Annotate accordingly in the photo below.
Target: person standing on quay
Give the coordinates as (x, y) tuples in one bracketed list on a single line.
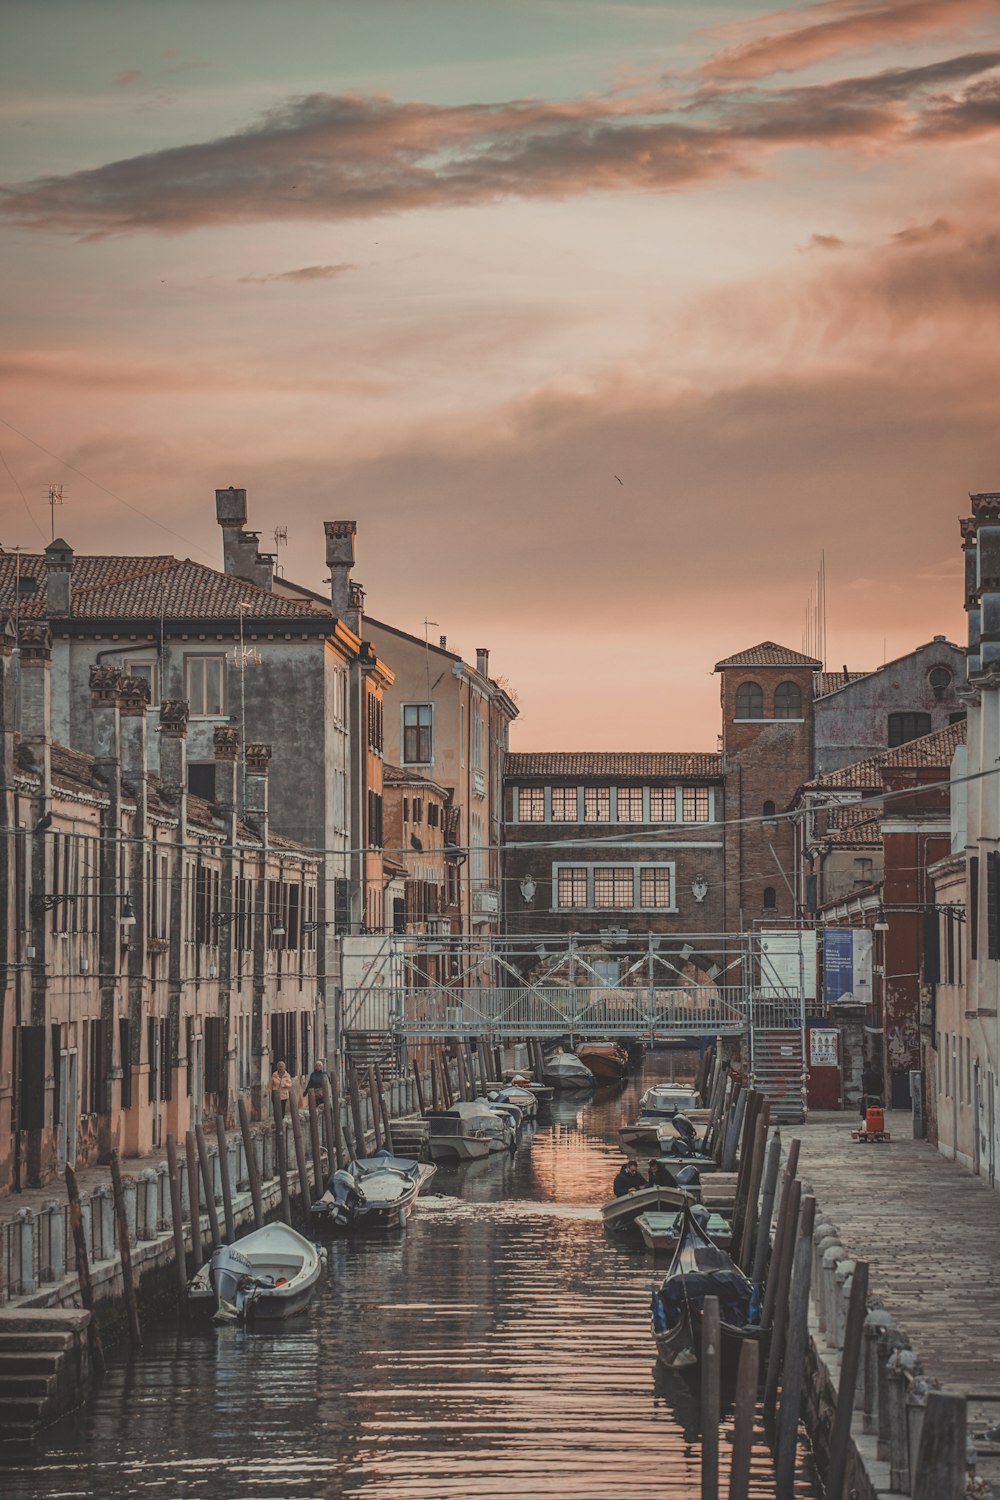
[(281, 1082)]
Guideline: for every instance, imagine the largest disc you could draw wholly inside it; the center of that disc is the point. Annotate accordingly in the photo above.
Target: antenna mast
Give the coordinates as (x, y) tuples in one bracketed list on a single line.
[(55, 498)]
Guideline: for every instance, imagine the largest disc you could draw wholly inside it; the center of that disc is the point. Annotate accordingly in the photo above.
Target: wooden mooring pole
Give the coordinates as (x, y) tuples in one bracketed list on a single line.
[(194, 1199), (779, 1281), (253, 1175), (354, 1089), (227, 1186), (763, 1244), (177, 1221), (383, 1108), (125, 1252), (711, 1362), (435, 1086), (208, 1183), (850, 1360), (281, 1157), (745, 1411), (335, 1146), (317, 1149), (375, 1106), (302, 1170), (940, 1471), (419, 1085), (794, 1365), (753, 1187), (83, 1269)]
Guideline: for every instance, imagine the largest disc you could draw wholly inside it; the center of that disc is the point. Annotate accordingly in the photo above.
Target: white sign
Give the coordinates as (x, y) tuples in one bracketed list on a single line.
[(822, 1048), (788, 961)]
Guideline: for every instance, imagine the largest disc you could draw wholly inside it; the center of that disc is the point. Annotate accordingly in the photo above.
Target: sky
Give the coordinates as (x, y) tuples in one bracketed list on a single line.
[(605, 319)]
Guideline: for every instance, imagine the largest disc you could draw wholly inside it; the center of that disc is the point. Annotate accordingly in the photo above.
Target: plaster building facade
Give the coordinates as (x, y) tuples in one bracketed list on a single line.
[(160, 950)]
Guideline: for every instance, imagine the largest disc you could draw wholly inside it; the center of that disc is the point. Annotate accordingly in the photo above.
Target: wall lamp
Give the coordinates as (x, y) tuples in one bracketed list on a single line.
[(881, 923)]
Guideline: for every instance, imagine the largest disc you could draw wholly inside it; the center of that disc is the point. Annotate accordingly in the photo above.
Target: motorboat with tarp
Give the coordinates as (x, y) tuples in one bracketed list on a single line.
[(468, 1131), (374, 1192), (564, 1070), (269, 1274), (662, 1231), (664, 1100), (698, 1270)]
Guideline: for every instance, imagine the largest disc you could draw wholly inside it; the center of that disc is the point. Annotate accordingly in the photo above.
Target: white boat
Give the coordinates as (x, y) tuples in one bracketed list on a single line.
[(669, 1099), (512, 1093), (468, 1131), (564, 1070), (374, 1192), (271, 1273)]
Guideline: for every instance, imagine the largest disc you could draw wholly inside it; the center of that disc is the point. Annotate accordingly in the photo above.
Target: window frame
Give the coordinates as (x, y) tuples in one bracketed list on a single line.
[(899, 719), (534, 798), (419, 729), (749, 686), (780, 708), (596, 793), (636, 867), (570, 795), (628, 795), (201, 658)]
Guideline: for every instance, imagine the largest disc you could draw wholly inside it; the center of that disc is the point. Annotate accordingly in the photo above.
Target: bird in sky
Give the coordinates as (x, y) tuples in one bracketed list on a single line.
[(620, 481)]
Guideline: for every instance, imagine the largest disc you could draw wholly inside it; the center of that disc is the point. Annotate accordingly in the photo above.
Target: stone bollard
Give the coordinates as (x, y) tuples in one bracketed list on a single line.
[(234, 1151), (24, 1251), (916, 1407), (43, 1238), (825, 1242), (130, 1190), (841, 1293), (182, 1173), (824, 1230), (57, 1240), (147, 1206), (104, 1225), (86, 1220), (828, 1272), (890, 1341), (901, 1367), (164, 1212), (876, 1323)]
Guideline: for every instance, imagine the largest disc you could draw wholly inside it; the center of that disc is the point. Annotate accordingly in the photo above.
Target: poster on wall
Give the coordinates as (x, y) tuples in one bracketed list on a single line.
[(788, 961), (822, 1048), (847, 966)]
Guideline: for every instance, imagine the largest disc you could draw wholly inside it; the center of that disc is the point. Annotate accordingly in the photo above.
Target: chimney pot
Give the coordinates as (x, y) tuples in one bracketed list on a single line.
[(59, 583), (231, 507), (482, 661), (340, 547), (443, 642)]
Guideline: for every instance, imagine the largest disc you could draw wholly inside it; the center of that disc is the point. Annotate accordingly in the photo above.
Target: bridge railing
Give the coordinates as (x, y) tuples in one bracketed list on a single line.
[(549, 1010)]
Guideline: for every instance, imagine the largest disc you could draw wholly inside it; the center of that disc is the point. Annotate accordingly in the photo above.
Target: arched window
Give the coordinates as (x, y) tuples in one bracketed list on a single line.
[(768, 809), (940, 680), (770, 898), (788, 701), (749, 701)]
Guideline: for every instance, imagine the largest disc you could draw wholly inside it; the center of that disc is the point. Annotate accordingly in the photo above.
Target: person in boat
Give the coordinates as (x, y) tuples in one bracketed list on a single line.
[(281, 1084), (628, 1178), (658, 1176), (315, 1079)]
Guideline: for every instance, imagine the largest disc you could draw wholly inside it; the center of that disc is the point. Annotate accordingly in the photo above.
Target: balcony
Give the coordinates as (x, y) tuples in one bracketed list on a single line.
[(478, 782), (486, 903)]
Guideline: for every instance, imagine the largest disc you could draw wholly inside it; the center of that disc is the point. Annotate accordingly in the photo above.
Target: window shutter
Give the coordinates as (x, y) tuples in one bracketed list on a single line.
[(993, 904), (974, 907), (125, 1061), (31, 1096), (932, 946)]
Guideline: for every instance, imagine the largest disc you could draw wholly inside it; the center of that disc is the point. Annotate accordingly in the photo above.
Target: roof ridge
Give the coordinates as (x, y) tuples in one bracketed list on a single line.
[(165, 560)]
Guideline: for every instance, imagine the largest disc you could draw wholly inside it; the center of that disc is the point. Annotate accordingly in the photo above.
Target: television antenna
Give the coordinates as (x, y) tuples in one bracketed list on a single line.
[(55, 498), (280, 537)]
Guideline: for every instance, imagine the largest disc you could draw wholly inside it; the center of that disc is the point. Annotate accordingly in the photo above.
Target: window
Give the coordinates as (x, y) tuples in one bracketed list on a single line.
[(630, 804), (204, 677), (654, 887), (597, 804), (770, 898), (432, 814), (418, 720), (531, 804), (375, 723), (613, 887), (406, 809), (663, 804), (749, 701), (418, 809), (993, 904), (768, 809), (375, 820), (201, 780), (564, 804), (788, 701), (696, 804), (974, 906), (572, 886), (906, 727)]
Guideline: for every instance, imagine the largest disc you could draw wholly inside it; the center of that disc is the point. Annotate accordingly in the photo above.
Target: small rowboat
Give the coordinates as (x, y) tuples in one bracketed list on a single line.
[(662, 1231), (269, 1274), (622, 1213)]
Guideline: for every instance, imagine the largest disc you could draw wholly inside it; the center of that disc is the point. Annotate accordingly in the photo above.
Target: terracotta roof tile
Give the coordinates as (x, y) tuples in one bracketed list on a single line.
[(613, 763), (769, 654), (934, 749), (831, 682), (144, 588)]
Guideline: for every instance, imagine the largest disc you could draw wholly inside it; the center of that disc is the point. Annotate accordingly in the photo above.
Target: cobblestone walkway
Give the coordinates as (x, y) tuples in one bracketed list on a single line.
[(931, 1234)]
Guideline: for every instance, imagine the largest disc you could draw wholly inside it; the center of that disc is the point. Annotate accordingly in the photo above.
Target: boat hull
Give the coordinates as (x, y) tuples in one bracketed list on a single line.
[(622, 1213), (270, 1275), (460, 1147)]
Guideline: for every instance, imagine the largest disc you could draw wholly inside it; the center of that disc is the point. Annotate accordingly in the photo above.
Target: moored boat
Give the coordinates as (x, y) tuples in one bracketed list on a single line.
[(662, 1231), (564, 1070), (468, 1131), (664, 1100), (643, 1134), (698, 1270), (376, 1192), (622, 1213), (269, 1274), (606, 1060)]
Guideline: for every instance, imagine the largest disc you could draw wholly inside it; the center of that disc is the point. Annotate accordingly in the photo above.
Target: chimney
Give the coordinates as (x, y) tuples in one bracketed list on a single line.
[(59, 567), (132, 702), (35, 658), (482, 661), (340, 536), (8, 723), (443, 642), (986, 511), (241, 557), (226, 747), (258, 760), (356, 607), (968, 526), (173, 753), (105, 688)]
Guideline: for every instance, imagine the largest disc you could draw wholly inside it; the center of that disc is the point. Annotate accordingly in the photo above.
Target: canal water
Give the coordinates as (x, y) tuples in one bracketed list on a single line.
[(499, 1346)]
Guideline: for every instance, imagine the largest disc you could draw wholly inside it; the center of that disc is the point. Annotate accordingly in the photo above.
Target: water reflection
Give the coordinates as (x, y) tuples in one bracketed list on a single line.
[(500, 1345)]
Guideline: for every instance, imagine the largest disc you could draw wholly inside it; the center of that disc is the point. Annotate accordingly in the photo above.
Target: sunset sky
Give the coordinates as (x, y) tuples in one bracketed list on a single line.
[(602, 317)]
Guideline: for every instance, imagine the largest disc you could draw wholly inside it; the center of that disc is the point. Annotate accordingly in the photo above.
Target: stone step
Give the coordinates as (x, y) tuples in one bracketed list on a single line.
[(20, 1411), (28, 1342), (34, 1386), (45, 1363)]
